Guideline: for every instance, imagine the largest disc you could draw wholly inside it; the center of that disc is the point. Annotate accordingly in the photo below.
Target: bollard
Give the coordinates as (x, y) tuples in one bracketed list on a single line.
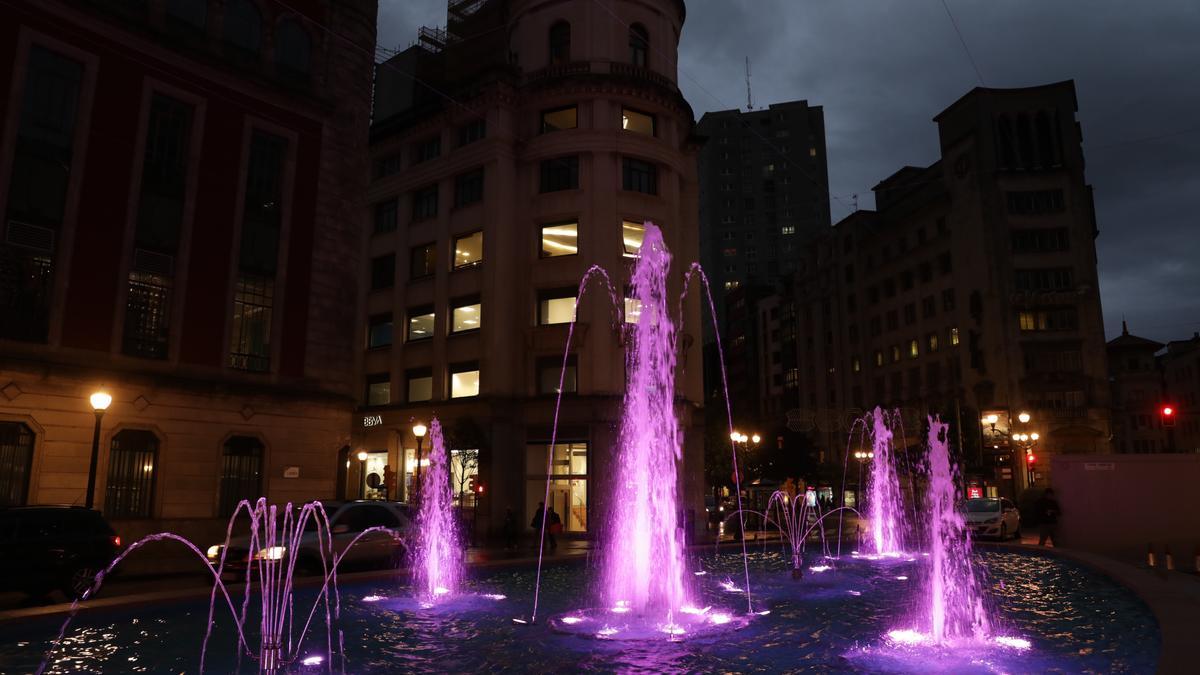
[(1150, 555), (1170, 559)]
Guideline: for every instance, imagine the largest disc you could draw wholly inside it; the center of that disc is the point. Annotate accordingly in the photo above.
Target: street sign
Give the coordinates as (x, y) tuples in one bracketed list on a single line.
[(1099, 466)]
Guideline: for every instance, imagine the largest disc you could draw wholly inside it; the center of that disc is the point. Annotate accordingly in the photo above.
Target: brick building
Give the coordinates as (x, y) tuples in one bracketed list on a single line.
[(180, 189)]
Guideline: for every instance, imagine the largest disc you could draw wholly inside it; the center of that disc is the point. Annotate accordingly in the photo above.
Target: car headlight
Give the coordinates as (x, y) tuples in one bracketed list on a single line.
[(271, 553), (214, 551)]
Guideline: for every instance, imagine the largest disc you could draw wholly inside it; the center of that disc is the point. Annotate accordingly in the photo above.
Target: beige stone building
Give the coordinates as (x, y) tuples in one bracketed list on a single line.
[(970, 290), (513, 163), (181, 190)]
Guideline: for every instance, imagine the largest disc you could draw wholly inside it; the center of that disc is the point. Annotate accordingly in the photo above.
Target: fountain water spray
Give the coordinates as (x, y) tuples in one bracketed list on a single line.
[(885, 509), (438, 561)]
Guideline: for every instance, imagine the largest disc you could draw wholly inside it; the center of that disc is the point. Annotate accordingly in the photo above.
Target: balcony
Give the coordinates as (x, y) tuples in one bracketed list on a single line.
[(640, 73)]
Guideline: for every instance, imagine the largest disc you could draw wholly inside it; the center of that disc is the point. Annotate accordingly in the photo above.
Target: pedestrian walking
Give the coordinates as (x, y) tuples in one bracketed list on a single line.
[(1048, 511)]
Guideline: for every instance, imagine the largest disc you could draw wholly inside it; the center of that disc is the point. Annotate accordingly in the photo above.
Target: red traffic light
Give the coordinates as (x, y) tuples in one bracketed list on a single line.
[(1167, 413), (1030, 458)]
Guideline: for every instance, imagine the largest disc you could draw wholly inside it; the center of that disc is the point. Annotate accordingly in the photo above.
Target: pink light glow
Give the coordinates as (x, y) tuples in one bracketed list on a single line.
[(313, 660), (1020, 644), (439, 565), (885, 508), (907, 636)]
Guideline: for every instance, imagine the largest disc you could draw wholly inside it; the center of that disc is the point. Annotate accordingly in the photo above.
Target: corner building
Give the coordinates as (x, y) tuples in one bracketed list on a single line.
[(181, 188), (556, 130)]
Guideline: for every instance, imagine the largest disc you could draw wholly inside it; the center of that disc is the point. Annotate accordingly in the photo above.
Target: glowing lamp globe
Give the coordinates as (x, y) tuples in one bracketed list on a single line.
[(100, 401)]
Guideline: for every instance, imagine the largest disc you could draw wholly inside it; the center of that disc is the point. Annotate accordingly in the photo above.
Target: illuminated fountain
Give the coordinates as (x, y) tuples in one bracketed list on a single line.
[(885, 509), (437, 554), (643, 585)]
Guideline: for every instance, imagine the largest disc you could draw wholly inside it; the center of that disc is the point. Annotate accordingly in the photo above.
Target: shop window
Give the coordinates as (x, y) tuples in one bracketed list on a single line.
[(468, 250), (132, 470), (464, 380), (16, 463), (568, 464), (241, 473), (560, 239)]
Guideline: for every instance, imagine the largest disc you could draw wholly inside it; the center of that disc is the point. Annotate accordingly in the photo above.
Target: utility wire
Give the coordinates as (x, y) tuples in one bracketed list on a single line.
[(964, 43)]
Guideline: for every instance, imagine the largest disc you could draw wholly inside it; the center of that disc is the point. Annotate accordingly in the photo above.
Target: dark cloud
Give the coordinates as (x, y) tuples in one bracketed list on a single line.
[(883, 68)]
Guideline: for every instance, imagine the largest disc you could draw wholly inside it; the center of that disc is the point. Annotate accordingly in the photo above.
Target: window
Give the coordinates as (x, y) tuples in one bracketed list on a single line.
[(910, 313), (729, 252), (388, 165), (945, 265), (1054, 361), (420, 323), (556, 306), (132, 468), (250, 346), (420, 384), (914, 349), (468, 188), (928, 306), (472, 131), (561, 173), (1045, 279), (568, 464), (639, 176), (932, 339), (560, 239), (632, 234), (425, 202), (385, 216), (383, 272), (878, 357), (893, 320), (953, 337), (1065, 318), (16, 463), (379, 331), (633, 306), (550, 368), (241, 473), (242, 25), (1035, 202), (1041, 240), (293, 51), (147, 315), (468, 250), (192, 14), (423, 261), (466, 315), (639, 45), (856, 365), (906, 280), (638, 122), (895, 353), (379, 389), (464, 380), (948, 299), (430, 148), (560, 42), (560, 119), (787, 229), (925, 271)]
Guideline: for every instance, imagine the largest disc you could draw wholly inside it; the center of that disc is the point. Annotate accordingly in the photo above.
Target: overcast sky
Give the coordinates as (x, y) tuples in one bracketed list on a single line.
[(883, 68)]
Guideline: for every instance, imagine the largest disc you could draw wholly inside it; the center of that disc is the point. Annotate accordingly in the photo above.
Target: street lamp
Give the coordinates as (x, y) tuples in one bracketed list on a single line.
[(362, 474), (100, 402), (1023, 417), (418, 431)]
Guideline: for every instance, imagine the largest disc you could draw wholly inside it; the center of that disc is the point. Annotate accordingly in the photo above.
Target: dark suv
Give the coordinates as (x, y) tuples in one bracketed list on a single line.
[(43, 548)]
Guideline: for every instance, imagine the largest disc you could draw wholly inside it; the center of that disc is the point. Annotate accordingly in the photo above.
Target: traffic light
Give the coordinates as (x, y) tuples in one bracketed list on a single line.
[(1030, 459), (1167, 415)]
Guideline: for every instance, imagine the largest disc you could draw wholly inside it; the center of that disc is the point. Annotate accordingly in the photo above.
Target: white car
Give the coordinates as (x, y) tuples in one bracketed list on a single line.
[(992, 517), (347, 520)]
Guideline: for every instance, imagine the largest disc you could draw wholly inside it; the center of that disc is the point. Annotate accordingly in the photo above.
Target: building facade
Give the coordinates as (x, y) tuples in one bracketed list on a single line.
[(1137, 393), (970, 291), (534, 142), (181, 190), (1180, 365)]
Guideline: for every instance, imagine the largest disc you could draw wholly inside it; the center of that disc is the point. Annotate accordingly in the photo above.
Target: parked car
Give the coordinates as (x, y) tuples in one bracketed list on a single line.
[(47, 548), (992, 517), (347, 520)]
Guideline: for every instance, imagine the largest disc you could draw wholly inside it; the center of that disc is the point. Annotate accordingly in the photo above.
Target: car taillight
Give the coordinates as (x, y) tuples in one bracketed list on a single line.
[(116, 540)]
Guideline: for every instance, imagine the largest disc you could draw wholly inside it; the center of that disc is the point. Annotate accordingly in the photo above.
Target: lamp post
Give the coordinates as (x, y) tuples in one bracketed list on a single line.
[(862, 457), (362, 474), (419, 431), (100, 402), (1027, 441)]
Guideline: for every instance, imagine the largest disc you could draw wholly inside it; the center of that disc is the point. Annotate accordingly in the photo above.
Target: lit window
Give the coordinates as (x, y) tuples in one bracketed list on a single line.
[(420, 323), (466, 315), (420, 384), (633, 308), (895, 353), (730, 285), (933, 342), (856, 365), (954, 337), (914, 349), (560, 119), (878, 357), (560, 239), (639, 122), (132, 469), (729, 252), (464, 380), (379, 389), (787, 229), (468, 250), (812, 152), (556, 307), (632, 234)]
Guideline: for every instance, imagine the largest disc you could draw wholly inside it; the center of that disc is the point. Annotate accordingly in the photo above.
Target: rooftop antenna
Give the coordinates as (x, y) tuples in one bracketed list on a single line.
[(749, 98)]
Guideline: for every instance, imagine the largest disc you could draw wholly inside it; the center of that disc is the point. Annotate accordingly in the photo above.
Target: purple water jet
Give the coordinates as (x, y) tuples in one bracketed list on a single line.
[(644, 559), (885, 508), (438, 560)]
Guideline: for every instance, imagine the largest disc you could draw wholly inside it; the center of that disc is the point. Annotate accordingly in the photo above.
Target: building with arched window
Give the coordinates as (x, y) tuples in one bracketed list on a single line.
[(535, 148), (179, 182)]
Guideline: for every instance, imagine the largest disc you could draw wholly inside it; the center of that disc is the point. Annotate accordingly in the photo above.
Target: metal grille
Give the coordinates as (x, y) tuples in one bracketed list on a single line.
[(241, 473), (132, 466), (16, 459), (147, 315), (250, 348), (25, 290)]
